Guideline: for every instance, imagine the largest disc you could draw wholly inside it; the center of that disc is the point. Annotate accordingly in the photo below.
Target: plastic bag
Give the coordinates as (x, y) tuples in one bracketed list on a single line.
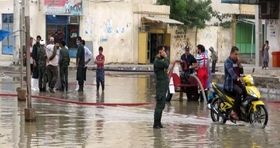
[(34, 84), (171, 86)]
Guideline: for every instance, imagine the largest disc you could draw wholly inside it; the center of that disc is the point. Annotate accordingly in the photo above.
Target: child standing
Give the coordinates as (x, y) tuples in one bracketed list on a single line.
[(99, 61)]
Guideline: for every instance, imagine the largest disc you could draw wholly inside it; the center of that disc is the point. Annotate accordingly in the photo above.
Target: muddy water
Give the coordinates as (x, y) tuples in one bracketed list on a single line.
[(187, 124)]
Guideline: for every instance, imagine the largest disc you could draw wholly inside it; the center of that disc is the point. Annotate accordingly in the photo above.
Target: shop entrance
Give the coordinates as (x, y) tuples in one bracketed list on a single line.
[(63, 28)]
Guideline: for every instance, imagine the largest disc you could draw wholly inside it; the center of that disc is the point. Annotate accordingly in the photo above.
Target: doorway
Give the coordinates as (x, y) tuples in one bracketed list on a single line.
[(61, 28), (154, 41)]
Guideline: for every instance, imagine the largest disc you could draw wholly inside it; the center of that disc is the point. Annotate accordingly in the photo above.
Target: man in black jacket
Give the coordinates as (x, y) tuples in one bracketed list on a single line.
[(34, 56), (80, 64)]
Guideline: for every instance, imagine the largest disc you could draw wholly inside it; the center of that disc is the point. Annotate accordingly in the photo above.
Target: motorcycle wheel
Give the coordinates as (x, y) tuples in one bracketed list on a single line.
[(168, 96), (259, 117), (214, 116)]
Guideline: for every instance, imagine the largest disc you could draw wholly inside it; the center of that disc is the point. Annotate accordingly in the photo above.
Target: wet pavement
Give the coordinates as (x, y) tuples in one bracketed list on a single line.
[(60, 124)]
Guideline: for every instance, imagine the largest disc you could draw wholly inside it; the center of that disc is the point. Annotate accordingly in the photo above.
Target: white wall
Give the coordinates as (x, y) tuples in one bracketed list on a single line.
[(217, 37), (112, 28), (223, 8), (37, 21), (273, 36)]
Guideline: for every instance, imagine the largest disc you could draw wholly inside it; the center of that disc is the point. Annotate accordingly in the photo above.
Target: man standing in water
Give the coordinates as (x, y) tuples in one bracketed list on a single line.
[(52, 55), (160, 68), (80, 64)]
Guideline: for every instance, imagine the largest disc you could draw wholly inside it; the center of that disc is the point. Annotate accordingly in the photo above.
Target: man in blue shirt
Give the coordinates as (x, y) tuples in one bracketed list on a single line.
[(232, 81)]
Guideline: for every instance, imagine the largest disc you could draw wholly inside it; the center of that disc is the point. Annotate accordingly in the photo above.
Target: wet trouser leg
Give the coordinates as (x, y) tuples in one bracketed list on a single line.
[(42, 78), (80, 77), (85, 73), (238, 93), (64, 78), (52, 76), (100, 79)]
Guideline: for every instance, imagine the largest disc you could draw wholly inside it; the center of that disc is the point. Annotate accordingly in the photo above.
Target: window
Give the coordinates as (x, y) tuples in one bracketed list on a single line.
[(7, 18), (9, 42)]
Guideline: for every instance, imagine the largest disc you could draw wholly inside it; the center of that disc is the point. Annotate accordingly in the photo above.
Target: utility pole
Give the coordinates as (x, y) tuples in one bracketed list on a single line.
[(29, 111), (21, 37), (257, 31)]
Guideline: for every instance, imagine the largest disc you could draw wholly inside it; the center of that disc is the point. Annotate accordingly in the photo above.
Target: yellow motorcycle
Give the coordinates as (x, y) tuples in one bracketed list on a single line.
[(252, 108)]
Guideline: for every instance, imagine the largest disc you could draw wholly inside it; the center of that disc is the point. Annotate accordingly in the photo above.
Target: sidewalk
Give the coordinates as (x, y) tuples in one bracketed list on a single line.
[(8, 66), (270, 73)]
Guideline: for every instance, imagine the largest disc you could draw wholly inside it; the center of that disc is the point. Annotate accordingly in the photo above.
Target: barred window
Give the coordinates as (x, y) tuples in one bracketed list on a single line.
[(7, 18), (9, 42)]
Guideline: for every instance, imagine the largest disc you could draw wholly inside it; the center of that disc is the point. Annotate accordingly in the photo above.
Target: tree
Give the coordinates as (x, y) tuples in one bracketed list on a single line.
[(193, 13)]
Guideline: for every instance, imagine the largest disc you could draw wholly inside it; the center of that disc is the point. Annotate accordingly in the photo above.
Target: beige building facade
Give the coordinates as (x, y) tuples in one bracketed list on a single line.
[(129, 30), (115, 25)]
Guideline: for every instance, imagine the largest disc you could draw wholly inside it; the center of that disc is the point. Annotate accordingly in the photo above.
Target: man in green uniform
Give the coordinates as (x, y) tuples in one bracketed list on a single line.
[(161, 64), (42, 61), (80, 63), (64, 61)]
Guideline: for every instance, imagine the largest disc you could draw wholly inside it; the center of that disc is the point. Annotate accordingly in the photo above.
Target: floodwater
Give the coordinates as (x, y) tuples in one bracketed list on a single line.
[(60, 124)]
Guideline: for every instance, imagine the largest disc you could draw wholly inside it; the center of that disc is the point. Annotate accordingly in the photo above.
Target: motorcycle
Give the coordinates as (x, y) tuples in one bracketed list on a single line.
[(252, 108)]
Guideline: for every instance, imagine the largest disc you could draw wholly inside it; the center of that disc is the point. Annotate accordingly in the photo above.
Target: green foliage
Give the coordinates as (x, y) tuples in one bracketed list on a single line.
[(193, 13), (224, 20)]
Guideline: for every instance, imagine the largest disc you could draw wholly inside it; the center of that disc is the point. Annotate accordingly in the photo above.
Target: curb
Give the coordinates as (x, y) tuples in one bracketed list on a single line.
[(106, 68), (267, 85)]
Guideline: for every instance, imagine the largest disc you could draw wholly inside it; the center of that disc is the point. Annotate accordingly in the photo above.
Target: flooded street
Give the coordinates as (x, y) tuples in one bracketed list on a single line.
[(117, 120)]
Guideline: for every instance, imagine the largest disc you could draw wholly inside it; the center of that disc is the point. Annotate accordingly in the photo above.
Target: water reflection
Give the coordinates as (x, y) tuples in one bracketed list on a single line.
[(187, 124), (100, 97), (159, 140)]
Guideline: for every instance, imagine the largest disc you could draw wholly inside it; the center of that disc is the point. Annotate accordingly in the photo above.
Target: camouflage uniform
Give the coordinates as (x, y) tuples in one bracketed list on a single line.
[(41, 64)]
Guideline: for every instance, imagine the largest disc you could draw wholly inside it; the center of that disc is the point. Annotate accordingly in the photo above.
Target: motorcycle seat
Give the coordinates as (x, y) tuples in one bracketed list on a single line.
[(221, 88)]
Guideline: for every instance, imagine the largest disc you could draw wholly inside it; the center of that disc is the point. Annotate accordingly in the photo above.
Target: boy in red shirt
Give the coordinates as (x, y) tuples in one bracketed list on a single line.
[(99, 61)]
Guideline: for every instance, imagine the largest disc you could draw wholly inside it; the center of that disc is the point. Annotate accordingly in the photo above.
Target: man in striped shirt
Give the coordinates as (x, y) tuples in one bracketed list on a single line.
[(203, 65)]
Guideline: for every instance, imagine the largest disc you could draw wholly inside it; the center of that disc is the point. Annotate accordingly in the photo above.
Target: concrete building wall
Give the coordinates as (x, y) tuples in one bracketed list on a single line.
[(6, 7), (37, 21), (144, 1), (112, 25), (273, 36), (217, 37), (115, 26), (225, 8), (247, 9)]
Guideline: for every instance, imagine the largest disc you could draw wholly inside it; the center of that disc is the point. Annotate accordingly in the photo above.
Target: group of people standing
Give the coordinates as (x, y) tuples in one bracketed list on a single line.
[(49, 64), (190, 64)]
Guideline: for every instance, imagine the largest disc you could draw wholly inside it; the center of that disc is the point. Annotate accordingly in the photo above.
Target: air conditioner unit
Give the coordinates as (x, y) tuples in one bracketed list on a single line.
[(74, 19)]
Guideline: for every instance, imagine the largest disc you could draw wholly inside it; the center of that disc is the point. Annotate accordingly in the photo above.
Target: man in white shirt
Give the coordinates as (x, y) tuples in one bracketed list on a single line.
[(52, 55), (88, 57)]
